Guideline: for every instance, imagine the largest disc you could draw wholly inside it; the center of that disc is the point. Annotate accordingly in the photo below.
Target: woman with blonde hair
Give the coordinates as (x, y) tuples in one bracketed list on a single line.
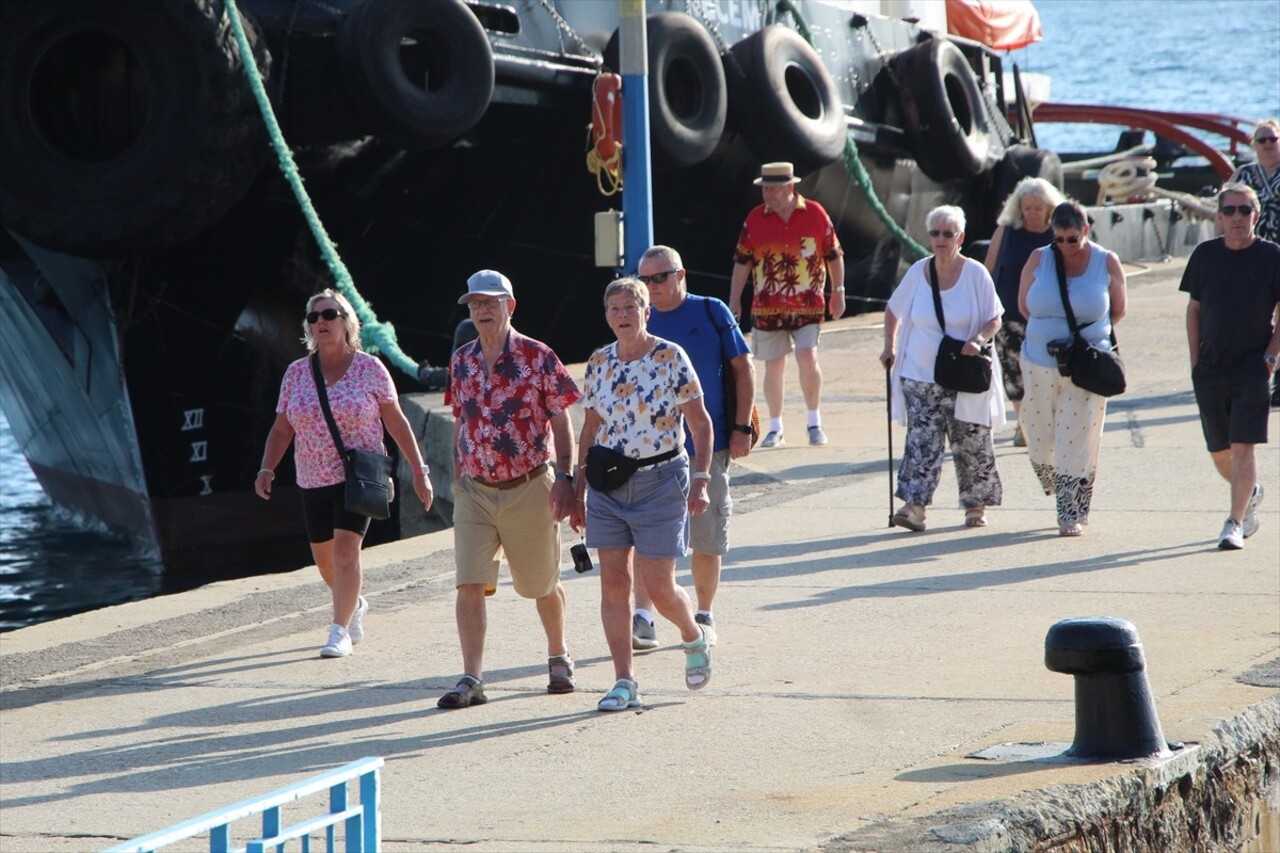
[(1022, 227), (363, 401), (1263, 176)]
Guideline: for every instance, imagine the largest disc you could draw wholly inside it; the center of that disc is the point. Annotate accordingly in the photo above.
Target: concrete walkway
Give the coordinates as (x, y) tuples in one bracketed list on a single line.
[(858, 666)]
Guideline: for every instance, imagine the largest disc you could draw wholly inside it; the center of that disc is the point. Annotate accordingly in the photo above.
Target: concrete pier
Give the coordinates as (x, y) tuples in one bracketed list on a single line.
[(859, 670)]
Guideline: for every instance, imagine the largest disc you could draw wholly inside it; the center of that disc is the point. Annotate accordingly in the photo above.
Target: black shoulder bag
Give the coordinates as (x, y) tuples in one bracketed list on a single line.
[(1097, 371), (952, 369), (730, 385), (368, 487)]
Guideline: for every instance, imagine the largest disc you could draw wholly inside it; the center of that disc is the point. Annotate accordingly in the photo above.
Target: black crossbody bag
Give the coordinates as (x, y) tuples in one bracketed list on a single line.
[(368, 487), (952, 369), (1095, 370)]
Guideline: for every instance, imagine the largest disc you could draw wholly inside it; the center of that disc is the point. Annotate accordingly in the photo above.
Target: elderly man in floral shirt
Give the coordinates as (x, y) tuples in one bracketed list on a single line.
[(506, 390)]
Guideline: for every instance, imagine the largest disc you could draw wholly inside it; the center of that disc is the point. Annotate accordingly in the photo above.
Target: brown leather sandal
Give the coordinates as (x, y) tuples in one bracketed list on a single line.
[(467, 692), (560, 668)]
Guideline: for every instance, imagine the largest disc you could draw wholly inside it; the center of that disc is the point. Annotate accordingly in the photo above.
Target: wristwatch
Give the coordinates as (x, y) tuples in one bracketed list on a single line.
[(1270, 359), (565, 475), (745, 429)]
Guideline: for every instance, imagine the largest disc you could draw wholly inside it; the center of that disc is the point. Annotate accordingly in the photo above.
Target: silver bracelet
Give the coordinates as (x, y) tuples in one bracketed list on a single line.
[(702, 475), (267, 471)]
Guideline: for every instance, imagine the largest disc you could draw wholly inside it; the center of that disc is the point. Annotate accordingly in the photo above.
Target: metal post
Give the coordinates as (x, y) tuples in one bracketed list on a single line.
[(637, 192)]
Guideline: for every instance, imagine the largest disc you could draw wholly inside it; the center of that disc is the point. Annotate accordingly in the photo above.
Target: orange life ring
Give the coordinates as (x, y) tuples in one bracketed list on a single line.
[(604, 159)]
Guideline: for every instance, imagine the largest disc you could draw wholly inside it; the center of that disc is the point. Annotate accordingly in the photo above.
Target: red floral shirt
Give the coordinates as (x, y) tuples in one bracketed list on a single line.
[(788, 264), (503, 415)]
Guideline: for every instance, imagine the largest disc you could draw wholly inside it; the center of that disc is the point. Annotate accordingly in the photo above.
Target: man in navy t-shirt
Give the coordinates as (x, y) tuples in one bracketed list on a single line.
[(1233, 329), (706, 330)]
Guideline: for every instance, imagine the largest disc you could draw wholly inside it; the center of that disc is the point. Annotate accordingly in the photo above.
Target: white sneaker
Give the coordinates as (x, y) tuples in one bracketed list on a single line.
[(773, 439), (817, 437), (356, 628), (1232, 537), (1251, 520), (339, 645)]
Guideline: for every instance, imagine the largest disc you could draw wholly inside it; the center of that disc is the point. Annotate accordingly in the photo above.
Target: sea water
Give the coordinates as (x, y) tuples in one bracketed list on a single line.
[(1217, 56)]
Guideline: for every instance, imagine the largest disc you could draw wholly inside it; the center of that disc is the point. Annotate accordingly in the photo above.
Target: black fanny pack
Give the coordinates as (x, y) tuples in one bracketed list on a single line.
[(607, 469)]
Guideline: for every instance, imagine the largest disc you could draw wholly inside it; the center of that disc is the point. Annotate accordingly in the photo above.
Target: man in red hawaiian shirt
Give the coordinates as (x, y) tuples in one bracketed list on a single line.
[(506, 390), (788, 247)]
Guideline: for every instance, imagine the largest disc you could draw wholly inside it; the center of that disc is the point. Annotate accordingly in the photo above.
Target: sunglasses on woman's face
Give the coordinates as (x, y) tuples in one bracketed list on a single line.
[(327, 314), (1265, 140), (1073, 239), (946, 235)]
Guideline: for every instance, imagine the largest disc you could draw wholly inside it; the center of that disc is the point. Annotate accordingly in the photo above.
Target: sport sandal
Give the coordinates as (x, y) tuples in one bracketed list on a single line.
[(467, 692), (904, 517), (560, 669), (625, 694), (697, 662)]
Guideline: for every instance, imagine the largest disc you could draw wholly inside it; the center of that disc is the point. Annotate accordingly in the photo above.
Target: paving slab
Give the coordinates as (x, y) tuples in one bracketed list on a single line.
[(859, 667)]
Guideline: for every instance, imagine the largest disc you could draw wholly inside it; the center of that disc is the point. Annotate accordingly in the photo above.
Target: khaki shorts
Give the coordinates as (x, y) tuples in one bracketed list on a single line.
[(766, 345), (709, 531), (516, 520)]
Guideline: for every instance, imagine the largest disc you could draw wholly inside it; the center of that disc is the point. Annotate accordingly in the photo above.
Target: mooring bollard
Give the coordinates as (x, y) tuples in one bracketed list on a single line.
[(1115, 714)]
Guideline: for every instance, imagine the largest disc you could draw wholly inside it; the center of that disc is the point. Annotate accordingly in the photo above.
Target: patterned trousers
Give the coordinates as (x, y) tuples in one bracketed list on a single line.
[(931, 422), (1063, 425)]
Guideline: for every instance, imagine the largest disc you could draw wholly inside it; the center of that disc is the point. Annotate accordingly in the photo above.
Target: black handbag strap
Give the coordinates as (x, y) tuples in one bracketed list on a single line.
[(937, 295), (1060, 265), (324, 405)]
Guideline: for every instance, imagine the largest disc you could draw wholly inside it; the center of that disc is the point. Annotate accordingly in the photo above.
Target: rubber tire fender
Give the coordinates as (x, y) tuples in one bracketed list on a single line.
[(783, 101), (395, 107), (946, 119), (188, 139), (688, 100)]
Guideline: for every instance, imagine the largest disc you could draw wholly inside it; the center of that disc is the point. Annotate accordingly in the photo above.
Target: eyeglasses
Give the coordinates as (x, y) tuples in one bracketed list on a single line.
[(947, 235), (485, 303), (327, 314), (1265, 140), (1233, 209), (1073, 239), (658, 277)]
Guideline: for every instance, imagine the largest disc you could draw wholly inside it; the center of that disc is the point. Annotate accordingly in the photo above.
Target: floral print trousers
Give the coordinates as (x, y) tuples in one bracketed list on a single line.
[(931, 422), (1063, 425)]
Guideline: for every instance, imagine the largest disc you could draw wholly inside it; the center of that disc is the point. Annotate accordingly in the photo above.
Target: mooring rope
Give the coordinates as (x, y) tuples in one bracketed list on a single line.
[(375, 335), (852, 164)]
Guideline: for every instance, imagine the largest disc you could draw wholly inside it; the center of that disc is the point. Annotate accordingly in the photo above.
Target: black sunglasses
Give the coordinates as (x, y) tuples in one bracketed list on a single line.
[(328, 314), (1265, 139), (1233, 209), (945, 234), (658, 277), (1073, 239)]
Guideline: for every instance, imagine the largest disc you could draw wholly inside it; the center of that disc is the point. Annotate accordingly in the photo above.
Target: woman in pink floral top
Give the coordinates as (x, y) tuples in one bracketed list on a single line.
[(638, 393), (363, 401)]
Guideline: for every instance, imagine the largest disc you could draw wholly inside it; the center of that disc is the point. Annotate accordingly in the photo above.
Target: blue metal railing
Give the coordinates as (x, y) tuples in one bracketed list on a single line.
[(362, 822)]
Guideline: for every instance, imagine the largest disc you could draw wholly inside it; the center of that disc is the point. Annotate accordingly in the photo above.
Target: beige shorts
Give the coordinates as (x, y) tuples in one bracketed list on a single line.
[(776, 343), (516, 520)]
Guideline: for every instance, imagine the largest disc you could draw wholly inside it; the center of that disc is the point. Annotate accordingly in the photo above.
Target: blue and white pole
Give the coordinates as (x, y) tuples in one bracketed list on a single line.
[(637, 192)]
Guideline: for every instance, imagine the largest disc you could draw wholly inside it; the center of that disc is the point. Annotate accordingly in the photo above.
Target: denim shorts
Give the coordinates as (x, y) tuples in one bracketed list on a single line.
[(650, 512)]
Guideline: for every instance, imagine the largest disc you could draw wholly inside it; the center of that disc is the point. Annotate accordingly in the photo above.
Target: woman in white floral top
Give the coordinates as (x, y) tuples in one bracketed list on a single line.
[(639, 391), (363, 400)]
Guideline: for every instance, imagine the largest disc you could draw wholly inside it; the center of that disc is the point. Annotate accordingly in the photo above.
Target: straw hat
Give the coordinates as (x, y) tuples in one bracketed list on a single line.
[(773, 174)]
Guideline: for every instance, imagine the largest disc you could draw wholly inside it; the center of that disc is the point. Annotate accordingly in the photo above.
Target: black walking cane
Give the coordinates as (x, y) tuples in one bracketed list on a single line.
[(888, 412)]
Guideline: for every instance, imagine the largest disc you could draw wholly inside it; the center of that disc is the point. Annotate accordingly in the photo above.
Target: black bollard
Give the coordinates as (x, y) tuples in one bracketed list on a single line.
[(1115, 714)]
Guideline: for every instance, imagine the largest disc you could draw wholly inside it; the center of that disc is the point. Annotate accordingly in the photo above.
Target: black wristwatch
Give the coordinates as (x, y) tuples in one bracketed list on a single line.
[(565, 475), (745, 429)]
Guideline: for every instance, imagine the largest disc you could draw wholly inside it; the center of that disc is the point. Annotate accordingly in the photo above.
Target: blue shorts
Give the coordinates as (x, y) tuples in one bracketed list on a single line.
[(650, 512)]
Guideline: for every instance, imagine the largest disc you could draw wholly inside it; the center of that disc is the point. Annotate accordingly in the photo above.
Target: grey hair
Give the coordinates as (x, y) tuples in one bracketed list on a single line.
[(1011, 214), (1242, 189), (350, 321), (662, 252), (633, 286), (945, 213)]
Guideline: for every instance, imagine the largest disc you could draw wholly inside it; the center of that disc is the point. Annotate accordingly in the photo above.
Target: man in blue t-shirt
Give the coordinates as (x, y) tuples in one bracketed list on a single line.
[(706, 330), (1233, 329)]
